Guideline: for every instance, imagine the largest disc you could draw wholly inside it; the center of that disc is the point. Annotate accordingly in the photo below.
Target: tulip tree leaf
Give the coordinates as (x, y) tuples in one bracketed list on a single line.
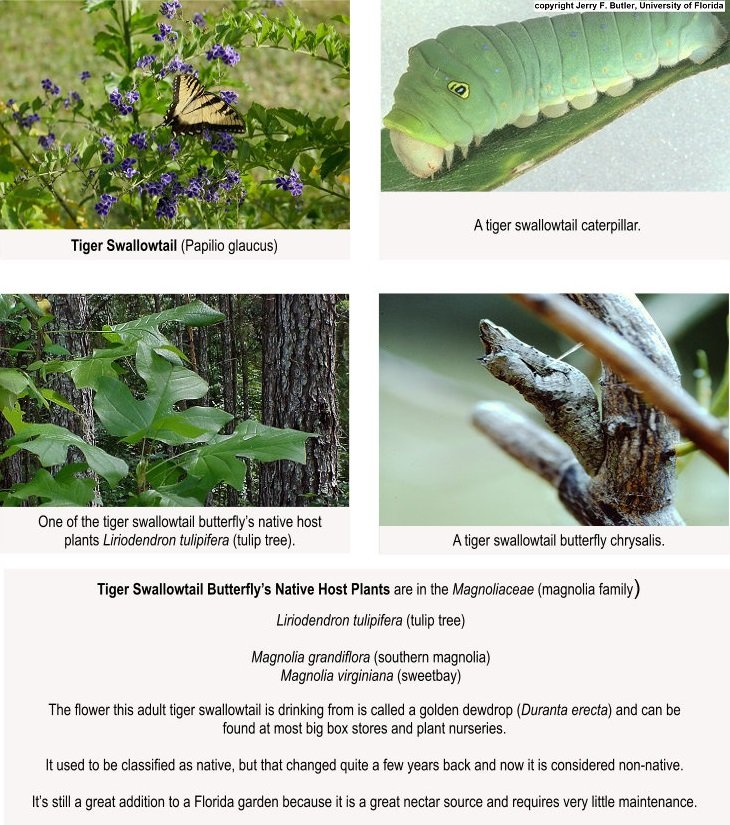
[(146, 328), (153, 417), (63, 490), (51, 444)]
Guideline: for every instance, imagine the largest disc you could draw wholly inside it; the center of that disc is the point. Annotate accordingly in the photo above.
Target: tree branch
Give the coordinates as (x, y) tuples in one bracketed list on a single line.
[(625, 468), (621, 355), (531, 445), (558, 390)]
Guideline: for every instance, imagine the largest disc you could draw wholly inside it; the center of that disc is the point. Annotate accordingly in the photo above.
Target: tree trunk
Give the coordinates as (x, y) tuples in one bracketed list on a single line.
[(299, 391), (242, 330), (72, 320), (229, 372)]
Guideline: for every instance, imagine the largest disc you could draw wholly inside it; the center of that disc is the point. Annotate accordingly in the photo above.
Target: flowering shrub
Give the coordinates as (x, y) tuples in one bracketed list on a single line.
[(96, 155)]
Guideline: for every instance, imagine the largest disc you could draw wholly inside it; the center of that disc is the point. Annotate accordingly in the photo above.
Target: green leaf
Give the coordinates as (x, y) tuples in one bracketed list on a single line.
[(510, 152), (63, 490), (196, 424), (56, 349), (145, 329), (91, 6), (219, 459), (153, 417), (13, 384), (31, 305), (57, 398), (51, 444), (335, 162), (163, 498), (86, 372)]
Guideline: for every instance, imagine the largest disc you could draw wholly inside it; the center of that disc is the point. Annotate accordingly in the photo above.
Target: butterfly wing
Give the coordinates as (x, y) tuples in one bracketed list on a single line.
[(194, 109)]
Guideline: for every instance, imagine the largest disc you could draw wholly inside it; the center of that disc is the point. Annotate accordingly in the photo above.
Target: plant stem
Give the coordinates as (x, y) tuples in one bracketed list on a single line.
[(127, 31), (45, 183), (308, 54)]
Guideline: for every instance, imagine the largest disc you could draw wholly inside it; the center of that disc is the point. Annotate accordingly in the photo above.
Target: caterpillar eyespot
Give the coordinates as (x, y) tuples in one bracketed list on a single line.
[(459, 89), (541, 67)]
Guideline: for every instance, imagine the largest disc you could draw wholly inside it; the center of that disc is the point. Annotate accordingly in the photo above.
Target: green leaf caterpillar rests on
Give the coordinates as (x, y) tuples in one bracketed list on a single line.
[(472, 80)]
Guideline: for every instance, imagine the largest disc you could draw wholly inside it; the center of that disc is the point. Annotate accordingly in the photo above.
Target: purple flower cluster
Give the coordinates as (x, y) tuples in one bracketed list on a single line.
[(127, 167), (84, 76), (107, 156), (123, 104), (74, 97), (166, 208), (75, 158), (167, 179), (222, 142), (228, 96), (49, 86), (26, 120), (231, 179), (165, 32), (175, 65), (291, 183), (139, 140), (105, 204), (199, 20), (169, 10), (145, 61), (225, 53), (170, 191), (47, 141)]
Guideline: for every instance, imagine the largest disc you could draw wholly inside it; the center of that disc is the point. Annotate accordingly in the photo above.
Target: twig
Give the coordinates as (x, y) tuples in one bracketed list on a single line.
[(531, 445), (551, 459)]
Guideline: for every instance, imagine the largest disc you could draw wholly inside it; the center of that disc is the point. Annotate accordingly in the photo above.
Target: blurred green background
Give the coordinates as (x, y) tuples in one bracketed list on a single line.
[(54, 38), (436, 469)]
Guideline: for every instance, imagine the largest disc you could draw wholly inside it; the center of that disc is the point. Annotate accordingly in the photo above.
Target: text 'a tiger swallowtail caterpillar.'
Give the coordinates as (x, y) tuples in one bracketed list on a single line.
[(472, 80), (194, 109)]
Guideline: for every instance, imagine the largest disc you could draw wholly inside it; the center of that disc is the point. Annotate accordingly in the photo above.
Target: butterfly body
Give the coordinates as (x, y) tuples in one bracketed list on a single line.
[(194, 109)]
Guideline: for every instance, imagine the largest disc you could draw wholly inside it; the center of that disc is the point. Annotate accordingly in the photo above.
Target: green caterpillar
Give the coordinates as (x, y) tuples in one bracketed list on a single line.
[(472, 80)]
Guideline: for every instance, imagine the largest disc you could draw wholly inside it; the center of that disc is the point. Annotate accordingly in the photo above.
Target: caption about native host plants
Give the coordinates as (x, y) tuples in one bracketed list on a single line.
[(263, 530), (288, 693)]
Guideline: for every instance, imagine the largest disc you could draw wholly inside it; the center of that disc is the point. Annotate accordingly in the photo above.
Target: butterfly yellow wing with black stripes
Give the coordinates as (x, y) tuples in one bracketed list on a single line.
[(194, 109)]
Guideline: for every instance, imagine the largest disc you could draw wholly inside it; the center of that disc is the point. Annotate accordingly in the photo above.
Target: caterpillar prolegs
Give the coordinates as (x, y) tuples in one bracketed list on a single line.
[(471, 80)]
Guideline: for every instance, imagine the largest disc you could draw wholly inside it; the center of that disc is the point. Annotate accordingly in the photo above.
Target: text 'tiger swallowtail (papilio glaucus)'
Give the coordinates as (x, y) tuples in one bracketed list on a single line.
[(472, 80), (194, 109)]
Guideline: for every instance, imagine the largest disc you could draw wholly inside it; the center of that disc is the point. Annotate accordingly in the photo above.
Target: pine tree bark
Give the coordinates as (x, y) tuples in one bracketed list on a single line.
[(229, 377), (72, 320), (242, 327), (299, 391), (200, 360)]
